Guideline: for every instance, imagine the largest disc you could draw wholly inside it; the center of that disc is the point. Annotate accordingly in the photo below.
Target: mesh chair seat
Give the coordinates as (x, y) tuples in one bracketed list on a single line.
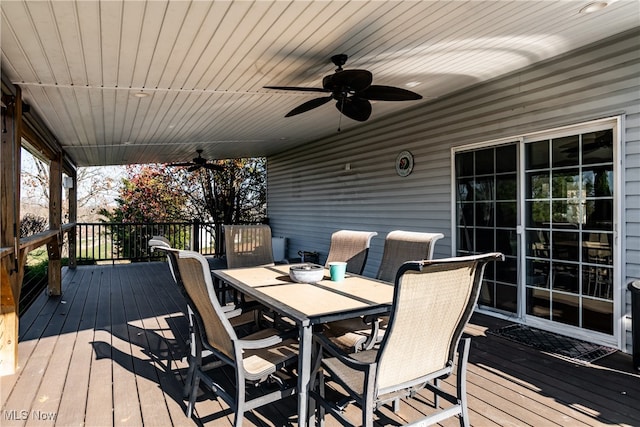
[(262, 362), (351, 334)]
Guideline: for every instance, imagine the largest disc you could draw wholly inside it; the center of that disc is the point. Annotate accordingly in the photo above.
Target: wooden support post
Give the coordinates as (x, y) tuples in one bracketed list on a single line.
[(10, 279), (73, 217), (54, 286), (8, 321)]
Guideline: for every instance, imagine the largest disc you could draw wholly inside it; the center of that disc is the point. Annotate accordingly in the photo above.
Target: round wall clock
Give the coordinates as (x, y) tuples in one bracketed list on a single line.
[(404, 163)]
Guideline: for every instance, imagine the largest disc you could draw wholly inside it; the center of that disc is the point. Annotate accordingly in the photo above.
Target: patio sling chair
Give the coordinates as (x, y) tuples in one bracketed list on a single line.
[(432, 303), (402, 246), (248, 245), (399, 247), (236, 317), (255, 359), (351, 247)]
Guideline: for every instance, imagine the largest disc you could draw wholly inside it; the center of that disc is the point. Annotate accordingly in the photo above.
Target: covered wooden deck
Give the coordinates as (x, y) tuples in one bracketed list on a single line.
[(110, 350)]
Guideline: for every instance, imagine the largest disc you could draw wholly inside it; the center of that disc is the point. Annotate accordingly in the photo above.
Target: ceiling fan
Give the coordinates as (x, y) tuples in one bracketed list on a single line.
[(199, 162), (352, 90)]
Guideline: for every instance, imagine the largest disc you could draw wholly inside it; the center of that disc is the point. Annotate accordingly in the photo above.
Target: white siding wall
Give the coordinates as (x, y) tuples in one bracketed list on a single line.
[(310, 195)]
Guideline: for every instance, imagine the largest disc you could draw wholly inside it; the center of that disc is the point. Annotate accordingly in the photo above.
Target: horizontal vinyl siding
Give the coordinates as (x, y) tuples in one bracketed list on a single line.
[(631, 181), (310, 194)]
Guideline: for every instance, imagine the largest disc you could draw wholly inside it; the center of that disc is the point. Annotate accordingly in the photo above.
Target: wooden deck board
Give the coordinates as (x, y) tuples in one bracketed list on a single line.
[(46, 407), (99, 397), (74, 396), (568, 384), (110, 351)]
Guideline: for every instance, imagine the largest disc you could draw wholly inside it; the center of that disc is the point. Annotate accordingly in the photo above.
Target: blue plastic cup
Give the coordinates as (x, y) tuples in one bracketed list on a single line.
[(337, 270)]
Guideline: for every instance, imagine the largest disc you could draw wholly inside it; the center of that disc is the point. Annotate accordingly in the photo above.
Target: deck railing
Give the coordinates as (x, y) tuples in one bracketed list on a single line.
[(128, 241)]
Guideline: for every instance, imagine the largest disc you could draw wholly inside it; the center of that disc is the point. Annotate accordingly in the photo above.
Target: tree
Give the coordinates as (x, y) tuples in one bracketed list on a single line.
[(236, 194), (31, 224), (158, 193), (148, 195)]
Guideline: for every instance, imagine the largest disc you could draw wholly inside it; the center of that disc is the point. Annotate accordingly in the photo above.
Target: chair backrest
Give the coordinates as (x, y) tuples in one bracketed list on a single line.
[(198, 285), (351, 247), (402, 246), (161, 243), (248, 245), (432, 303)]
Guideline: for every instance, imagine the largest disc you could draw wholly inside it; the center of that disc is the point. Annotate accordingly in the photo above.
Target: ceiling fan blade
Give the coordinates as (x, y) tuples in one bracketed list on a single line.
[(181, 164), (213, 167), (309, 105), (193, 168), (387, 93), (304, 89), (355, 108), (356, 80)]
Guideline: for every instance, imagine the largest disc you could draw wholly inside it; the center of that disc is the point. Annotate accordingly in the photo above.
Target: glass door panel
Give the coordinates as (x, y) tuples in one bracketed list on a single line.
[(487, 209), (569, 217)]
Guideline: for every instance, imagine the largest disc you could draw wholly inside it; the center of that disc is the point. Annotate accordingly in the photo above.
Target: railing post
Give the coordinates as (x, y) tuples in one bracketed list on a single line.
[(195, 236), (219, 242)]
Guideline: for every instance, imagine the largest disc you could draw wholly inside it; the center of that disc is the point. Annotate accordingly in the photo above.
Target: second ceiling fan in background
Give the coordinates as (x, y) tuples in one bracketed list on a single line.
[(352, 90), (198, 163)]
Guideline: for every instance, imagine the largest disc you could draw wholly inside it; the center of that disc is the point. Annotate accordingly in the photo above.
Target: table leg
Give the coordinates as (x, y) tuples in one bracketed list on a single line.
[(304, 374)]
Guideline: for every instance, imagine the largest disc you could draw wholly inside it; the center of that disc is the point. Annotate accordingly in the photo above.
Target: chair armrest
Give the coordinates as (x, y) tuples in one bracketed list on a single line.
[(231, 311), (329, 347), (265, 342), (261, 343)]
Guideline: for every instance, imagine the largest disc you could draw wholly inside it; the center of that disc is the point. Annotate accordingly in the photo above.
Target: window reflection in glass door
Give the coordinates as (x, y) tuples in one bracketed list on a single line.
[(569, 229)]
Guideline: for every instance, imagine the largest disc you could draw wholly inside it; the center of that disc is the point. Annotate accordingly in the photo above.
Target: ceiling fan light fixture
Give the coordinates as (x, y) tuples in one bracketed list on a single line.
[(594, 7)]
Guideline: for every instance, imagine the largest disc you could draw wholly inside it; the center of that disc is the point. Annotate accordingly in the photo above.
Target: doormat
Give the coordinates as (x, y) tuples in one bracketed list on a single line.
[(549, 342)]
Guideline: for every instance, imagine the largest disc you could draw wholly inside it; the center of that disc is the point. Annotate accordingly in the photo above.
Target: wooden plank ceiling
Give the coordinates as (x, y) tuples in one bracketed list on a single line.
[(204, 64)]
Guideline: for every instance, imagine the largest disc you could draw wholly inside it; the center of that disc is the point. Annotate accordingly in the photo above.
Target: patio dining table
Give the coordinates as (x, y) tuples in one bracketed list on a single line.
[(309, 304)]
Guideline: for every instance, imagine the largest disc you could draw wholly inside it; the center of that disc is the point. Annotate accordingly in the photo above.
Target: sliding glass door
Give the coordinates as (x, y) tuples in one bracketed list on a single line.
[(548, 204)]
